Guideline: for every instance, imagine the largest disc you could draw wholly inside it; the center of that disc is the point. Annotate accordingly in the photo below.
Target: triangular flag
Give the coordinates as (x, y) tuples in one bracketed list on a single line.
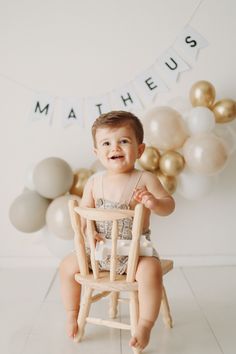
[(171, 64), (189, 42), (42, 108), (72, 111)]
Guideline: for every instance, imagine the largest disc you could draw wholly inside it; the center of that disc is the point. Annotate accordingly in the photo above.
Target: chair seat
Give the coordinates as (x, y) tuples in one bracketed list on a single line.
[(104, 283), (120, 284), (166, 265)]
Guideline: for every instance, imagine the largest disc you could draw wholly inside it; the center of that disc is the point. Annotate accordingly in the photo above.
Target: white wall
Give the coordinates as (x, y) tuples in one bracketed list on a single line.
[(87, 48)]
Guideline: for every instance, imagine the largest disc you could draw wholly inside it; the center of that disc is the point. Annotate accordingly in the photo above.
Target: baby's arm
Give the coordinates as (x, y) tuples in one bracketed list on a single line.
[(153, 195)]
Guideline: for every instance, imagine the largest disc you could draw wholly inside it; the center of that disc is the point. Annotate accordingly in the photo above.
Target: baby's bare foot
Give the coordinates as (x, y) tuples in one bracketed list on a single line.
[(142, 334), (71, 323)]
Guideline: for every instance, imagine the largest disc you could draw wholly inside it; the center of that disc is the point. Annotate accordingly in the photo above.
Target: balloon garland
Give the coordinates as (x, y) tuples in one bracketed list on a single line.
[(185, 152), (43, 204)]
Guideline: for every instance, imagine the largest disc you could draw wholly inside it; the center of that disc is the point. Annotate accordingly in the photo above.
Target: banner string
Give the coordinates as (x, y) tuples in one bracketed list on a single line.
[(26, 87), (194, 12)]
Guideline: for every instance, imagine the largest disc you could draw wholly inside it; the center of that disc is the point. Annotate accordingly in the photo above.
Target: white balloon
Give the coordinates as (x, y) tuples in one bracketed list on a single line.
[(58, 247), (227, 134), (200, 120), (192, 186)]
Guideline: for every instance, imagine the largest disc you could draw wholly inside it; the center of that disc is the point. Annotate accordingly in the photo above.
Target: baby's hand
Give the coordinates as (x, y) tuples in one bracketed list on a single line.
[(98, 237), (143, 196)]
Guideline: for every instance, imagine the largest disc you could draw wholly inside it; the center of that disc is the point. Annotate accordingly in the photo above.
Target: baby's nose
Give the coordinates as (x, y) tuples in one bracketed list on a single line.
[(115, 146)]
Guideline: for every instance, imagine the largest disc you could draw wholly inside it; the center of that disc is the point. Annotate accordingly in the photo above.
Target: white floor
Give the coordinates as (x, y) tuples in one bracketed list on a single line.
[(202, 299)]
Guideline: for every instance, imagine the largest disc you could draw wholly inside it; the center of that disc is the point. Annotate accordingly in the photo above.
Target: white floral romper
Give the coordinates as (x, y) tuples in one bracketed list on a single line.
[(124, 225)]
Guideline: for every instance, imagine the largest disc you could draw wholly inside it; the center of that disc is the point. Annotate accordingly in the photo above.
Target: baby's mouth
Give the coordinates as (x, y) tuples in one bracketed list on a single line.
[(115, 157)]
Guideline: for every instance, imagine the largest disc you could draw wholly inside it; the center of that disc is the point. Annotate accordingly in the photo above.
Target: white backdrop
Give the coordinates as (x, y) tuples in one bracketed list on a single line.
[(87, 48)]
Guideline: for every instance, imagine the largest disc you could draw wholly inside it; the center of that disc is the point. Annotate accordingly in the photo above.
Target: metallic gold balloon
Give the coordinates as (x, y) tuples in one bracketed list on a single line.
[(224, 110), (171, 163), (169, 183), (202, 93), (80, 178), (150, 159)]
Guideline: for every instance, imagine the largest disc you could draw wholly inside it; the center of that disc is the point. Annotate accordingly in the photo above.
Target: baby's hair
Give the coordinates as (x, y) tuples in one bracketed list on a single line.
[(115, 119)]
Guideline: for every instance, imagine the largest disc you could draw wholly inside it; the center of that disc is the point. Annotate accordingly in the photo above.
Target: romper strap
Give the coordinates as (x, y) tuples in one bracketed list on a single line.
[(133, 183), (98, 184)]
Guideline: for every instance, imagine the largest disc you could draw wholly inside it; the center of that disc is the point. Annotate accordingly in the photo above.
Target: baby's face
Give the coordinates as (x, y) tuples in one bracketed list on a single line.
[(117, 148)]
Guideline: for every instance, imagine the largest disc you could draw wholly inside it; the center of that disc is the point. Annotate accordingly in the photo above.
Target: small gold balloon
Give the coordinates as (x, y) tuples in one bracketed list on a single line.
[(202, 93), (169, 183), (224, 110), (80, 178), (171, 163), (150, 159)]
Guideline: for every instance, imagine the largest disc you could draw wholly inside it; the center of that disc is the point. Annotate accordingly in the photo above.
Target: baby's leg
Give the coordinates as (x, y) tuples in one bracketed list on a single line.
[(149, 277), (70, 291)]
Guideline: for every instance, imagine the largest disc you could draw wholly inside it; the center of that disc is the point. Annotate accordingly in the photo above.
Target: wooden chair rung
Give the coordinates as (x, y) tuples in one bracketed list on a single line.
[(113, 324), (99, 296)]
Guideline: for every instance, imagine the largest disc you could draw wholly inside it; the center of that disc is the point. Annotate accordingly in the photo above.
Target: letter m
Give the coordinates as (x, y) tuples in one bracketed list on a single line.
[(41, 110)]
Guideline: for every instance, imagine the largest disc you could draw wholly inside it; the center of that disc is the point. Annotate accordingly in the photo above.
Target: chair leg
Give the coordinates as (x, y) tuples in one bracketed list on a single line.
[(83, 313), (167, 319), (114, 296), (134, 315)]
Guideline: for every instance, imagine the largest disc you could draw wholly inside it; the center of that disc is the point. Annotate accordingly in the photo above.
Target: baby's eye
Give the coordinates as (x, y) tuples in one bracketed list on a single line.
[(124, 141), (105, 143)]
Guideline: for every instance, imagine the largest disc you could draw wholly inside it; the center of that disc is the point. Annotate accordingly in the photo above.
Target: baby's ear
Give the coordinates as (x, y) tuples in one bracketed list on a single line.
[(141, 149)]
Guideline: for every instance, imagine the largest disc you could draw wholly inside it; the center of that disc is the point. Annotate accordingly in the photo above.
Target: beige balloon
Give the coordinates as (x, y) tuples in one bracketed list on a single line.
[(165, 128), (52, 177), (202, 93), (169, 183), (80, 178), (224, 110), (58, 217), (28, 211), (205, 154), (171, 163), (150, 159)]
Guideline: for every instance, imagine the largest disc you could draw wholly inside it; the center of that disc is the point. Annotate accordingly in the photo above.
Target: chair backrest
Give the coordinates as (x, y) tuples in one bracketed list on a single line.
[(91, 215)]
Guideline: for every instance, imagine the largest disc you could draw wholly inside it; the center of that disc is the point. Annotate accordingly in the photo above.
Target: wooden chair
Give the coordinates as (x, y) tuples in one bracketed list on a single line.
[(110, 282)]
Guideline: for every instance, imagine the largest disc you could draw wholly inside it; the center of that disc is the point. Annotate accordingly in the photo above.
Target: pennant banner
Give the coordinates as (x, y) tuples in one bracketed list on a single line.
[(171, 64), (140, 92), (42, 108), (189, 42), (72, 112), (97, 106), (149, 84), (127, 99)]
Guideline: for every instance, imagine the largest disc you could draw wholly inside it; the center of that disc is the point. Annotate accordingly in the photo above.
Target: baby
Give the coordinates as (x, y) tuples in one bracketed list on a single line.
[(118, 143)]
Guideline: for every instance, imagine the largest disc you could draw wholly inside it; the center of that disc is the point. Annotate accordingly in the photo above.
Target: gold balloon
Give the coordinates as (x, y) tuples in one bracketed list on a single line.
[(202, 93), (171, 163), (224, 110), (80, 178), (169, 183), (150, 159)]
